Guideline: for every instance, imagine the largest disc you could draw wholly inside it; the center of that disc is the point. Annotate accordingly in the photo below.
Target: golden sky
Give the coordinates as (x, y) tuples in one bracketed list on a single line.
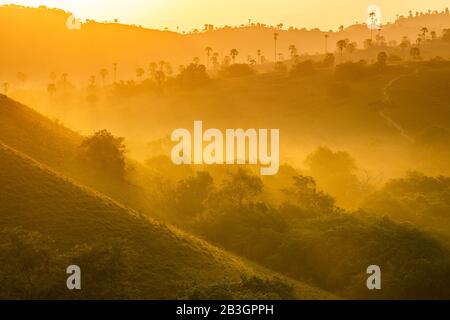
[(189, 14)]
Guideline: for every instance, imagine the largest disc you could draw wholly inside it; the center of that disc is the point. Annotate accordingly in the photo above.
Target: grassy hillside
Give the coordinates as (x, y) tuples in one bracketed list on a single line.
[(56, 146), (159, 262), (38, 136)]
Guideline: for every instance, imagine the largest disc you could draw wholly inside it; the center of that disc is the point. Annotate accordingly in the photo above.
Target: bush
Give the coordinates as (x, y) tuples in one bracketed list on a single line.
[(237, 70)]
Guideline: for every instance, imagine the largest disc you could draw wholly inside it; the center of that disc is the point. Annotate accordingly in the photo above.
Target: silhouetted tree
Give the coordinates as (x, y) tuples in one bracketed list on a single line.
[(104, 73), (415, 53), (140, 72), (208, 55), (382, 58), (341, 45), (105, 153), (234, 53), (275, 39), (5, 88)]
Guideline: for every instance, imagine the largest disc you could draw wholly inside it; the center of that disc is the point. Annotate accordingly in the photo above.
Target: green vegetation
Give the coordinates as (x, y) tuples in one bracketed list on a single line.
[(49, 222)]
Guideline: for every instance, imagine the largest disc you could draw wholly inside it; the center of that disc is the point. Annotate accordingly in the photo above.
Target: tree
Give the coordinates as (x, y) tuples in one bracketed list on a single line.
[(293, 51), (351, 47), (329, 60), (191, 194), (241, 188), (104, 73), (382, 58), (5, 88), (373, 23), (275, 39), (433, 35), (368, 43), (234, 53), (193, 75), (326, 43), (415, 53), (105, 153), (140, 73), (341, 45), (208, 55), (405, 43), (304, 193), (424, 33), (115, 72), (446, 34), (215, 60), (30, 265)]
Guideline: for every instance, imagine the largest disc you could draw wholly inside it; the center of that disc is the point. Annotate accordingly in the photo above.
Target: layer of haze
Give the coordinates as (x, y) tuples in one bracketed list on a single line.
[(189, 14)]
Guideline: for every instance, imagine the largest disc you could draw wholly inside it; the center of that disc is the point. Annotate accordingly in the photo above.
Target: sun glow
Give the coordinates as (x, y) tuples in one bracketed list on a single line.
[(190, 14)]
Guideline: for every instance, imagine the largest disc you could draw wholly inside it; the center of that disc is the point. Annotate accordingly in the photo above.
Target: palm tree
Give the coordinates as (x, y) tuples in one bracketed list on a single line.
[(104, 73), (418, 41), (234, 53), (326, 43), (424, 33), (215, 60), (275, 38), (433, 35), (208, 54), (373, 18), (115, 72), (341, 45)]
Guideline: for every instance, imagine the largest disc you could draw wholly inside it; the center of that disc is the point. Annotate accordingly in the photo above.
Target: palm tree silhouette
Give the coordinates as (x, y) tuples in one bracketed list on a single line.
[(208, 55), (275, 38), (373, 19), (424, 33), (104, 73), (234, 53), (341, 45), (326, 43), (215, 59), (115, 72)]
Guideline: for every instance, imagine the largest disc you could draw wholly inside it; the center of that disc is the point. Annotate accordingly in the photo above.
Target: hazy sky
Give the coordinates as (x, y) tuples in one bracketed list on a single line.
[(188, 14)]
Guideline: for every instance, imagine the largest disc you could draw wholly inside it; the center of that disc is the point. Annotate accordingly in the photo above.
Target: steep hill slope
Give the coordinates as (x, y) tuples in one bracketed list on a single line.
[(56, 146), (159, 262)]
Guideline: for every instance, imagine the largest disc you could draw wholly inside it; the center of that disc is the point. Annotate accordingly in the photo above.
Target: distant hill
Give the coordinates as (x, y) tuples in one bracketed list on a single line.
[(41, 42)]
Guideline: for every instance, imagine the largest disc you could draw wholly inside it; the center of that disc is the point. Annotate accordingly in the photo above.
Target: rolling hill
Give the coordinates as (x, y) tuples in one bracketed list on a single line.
[(84, 225), (98, 45), (162, 262)]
